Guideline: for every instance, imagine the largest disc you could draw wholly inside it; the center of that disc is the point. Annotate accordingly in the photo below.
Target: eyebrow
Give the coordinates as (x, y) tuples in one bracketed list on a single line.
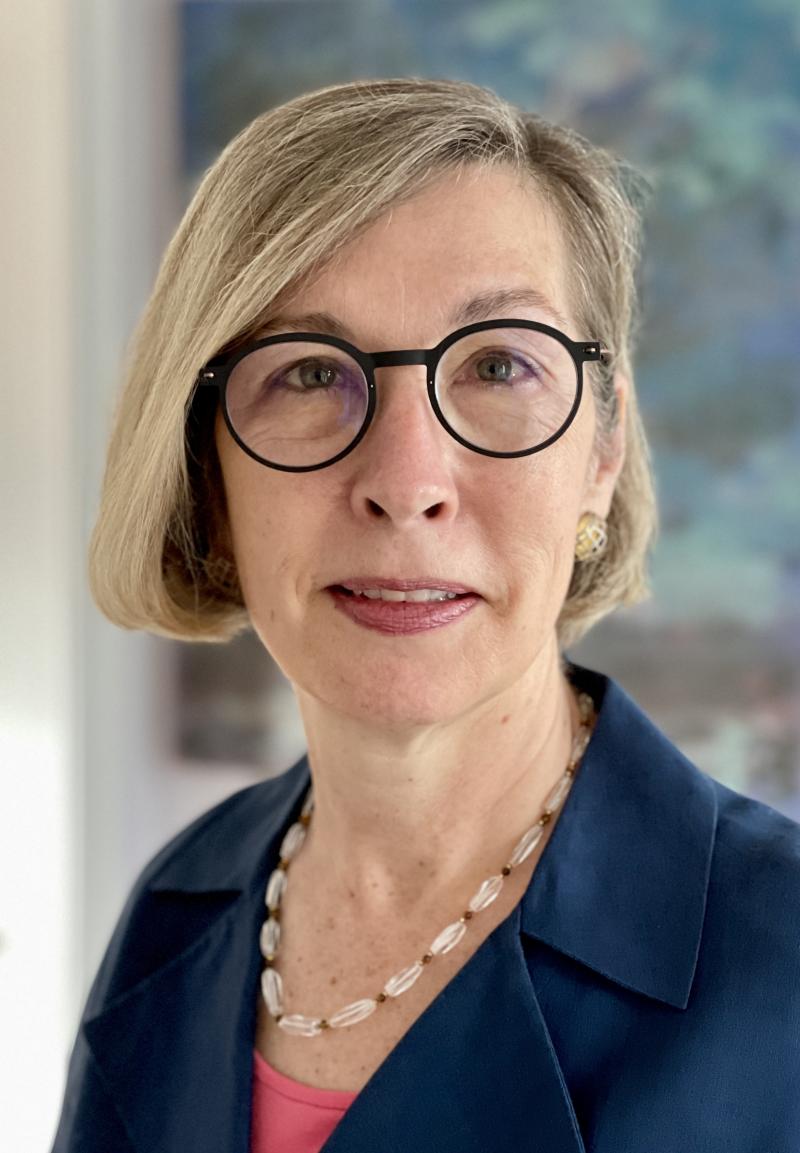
[(484, 306)]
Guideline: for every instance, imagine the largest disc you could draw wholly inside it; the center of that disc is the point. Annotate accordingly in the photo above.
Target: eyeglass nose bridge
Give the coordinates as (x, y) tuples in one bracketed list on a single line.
[(403, 356)]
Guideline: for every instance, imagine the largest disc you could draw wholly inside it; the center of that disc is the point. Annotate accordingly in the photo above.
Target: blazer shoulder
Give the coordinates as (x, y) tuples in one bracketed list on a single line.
[(757, 835), (755, 877)]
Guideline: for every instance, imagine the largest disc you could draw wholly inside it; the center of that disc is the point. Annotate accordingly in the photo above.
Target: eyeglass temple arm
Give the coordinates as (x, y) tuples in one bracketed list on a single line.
[(206, 376), (595, 350)]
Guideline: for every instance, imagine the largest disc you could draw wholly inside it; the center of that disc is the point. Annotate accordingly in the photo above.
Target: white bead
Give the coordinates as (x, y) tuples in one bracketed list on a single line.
[(302, 1026), (403, 980), (270, 936), (353, 1013), (272, 990), (448, 938), (486, 894), (558, 793), (276, 888), (292, 841), (526, 844)]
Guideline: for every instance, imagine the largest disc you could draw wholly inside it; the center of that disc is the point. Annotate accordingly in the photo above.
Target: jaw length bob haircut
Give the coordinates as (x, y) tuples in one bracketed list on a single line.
[(286, 193)]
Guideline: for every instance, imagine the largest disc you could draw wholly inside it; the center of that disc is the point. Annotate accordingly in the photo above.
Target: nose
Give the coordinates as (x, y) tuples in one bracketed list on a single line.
[(405, 467)]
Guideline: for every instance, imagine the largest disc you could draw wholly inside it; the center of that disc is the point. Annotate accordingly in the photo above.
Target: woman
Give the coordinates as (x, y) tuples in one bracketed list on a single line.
[(380, 409)]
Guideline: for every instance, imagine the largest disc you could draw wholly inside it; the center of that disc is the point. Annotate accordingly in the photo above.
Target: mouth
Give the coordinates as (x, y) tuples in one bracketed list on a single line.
[(402, 611), (423, 594), (414, 596)]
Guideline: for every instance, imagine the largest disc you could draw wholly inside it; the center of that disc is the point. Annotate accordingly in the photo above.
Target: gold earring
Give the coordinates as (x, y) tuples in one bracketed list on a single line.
[(592, 537)]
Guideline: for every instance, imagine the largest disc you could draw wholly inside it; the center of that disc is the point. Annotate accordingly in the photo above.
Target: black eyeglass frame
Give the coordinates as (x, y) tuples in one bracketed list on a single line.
[(216, 372)]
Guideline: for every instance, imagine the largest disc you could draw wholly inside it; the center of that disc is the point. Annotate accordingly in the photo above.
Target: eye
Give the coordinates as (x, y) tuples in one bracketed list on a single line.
[(496, 366), (311, 375), (504, 367)]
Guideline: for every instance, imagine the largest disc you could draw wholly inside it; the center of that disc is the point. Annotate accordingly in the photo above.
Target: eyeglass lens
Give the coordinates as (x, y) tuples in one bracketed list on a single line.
[(300, 404)]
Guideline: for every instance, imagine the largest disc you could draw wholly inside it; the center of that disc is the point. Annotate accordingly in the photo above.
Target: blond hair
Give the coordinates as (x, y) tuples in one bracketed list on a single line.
[(288, 191)]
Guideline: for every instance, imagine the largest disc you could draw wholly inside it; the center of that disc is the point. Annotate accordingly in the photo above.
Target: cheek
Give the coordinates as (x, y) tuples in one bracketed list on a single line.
[(252, 525), (534, 527), (277, 529)]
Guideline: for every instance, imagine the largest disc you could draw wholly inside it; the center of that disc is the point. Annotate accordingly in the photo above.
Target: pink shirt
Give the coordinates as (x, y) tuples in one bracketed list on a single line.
[(290, 1117)]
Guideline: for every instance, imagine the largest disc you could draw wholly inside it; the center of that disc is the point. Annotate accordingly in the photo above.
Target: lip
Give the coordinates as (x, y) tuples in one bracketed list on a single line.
[(401, 618), (358, 584)]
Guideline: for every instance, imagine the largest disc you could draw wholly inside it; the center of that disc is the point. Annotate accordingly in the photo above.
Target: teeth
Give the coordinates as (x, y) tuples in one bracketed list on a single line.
[(409, 595)]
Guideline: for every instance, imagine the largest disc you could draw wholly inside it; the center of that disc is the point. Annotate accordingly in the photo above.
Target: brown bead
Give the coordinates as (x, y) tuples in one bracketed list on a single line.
[(380, 997), (468, 915), (282, 864), (277, 1017), (545, 818), (506, 869), (427, 958), (324, 1024), (276, 913), (305, 819)]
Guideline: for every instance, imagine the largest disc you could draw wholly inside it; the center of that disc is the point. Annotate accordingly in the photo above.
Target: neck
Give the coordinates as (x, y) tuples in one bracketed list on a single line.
[(404, 818)]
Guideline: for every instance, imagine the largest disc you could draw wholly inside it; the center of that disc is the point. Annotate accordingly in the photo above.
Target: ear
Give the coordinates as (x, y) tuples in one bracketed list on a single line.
[(602, 477)]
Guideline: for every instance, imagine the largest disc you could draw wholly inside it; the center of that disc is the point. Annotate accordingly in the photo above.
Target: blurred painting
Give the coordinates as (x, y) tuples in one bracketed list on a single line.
[(704, 98)]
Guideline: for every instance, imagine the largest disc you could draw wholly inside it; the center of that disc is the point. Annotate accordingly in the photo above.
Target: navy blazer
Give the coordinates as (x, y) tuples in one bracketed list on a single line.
[(642, 997)]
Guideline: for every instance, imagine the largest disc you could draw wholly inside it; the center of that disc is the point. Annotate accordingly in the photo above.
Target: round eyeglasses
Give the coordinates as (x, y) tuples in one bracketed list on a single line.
[(299, 401)]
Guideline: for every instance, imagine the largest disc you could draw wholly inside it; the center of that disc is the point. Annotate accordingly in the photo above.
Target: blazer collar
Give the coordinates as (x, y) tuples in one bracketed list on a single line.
[(620, 888)]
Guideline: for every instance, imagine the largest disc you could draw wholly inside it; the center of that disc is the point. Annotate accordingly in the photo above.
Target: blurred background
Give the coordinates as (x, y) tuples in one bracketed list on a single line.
[(111, 111)]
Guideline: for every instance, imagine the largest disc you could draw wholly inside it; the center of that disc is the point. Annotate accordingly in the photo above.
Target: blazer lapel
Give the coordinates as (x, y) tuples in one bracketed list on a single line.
[(175, 1050), (170, 1051), (477, 1070)]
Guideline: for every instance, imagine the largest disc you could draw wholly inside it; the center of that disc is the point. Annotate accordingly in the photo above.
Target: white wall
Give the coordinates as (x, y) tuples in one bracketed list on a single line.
[(39, 737), (88, 785), (124, 123)]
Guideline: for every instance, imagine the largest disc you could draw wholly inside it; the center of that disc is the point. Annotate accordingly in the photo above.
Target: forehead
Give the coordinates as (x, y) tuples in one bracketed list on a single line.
[(471, 246)]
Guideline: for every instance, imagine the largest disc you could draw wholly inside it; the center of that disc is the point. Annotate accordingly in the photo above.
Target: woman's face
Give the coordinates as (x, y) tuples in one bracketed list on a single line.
[(410, 501)]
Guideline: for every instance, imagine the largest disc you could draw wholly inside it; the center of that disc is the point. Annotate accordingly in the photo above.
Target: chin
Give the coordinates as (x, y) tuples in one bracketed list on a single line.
[(397, 692)]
